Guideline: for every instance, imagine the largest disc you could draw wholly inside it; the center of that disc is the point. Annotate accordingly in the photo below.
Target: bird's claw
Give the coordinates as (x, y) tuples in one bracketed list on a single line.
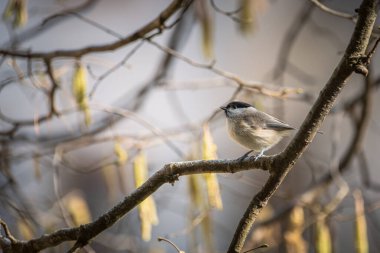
[(261, 154)]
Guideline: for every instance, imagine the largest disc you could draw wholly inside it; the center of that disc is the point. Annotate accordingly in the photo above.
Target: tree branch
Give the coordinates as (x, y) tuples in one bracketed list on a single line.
[(285, 161), (168, 174), (158, 23), (354, 148)]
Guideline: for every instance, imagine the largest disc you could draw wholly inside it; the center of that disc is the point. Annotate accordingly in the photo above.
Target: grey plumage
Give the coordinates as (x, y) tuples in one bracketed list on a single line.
[(253, 129)]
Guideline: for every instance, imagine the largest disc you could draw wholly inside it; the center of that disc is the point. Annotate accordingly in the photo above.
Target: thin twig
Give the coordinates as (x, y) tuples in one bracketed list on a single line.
[(171, 243), (333, 12), (259, 247), (124, 113), (7, 231)]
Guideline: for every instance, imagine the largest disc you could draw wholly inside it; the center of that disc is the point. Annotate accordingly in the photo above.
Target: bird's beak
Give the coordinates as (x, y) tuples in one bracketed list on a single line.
[(223, 108)]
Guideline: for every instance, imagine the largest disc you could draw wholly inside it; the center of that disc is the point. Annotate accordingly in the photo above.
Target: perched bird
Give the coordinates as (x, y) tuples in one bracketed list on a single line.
[(252, 128)]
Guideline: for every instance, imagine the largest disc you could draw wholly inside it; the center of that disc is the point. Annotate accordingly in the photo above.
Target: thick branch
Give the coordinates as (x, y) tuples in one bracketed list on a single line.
[(354, 148), (168, 174), (286, 160)]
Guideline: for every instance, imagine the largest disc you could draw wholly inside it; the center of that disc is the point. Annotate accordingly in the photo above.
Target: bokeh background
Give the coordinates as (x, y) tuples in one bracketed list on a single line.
[(61, 171)]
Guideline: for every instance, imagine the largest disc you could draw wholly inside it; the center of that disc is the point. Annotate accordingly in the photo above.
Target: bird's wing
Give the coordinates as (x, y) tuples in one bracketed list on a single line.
[(270, 122), (279, 126)]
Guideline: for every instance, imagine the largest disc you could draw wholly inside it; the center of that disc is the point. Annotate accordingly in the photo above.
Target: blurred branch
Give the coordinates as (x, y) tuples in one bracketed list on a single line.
[(177, 39), (156, 131), (230, 14), (171, 243), (227, 13), (156, 24), (322, 106), (333, 12), (107, 121), (258, 247), (289, 40), (113, 69), (365, 173), (254, 86), (49, 22), (35, 121)]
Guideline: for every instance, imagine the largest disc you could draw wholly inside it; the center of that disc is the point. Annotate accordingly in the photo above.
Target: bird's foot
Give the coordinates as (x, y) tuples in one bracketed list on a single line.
[(261, 154)]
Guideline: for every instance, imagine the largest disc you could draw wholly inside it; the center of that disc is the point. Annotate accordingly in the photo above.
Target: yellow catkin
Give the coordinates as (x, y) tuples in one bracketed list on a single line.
[(294, 242), (195, 190), (25, 230), (79, 88), (120, 153), (323, 237), (245, 23), (206, 27), (9, 9), (110, 178), (21, 13), (209, 153), (79, 84), (147, 208), (87, 116), (17, 12), (207, 38), (361, 238), (250, 10), (37, 167), (78, 209)]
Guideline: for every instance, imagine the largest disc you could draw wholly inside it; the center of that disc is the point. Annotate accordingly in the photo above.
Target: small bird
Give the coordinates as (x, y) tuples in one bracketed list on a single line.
[(254, 129)]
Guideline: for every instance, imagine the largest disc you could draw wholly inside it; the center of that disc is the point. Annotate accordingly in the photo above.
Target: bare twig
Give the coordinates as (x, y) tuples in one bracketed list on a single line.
[(333, 12), (291, 35), (365, 173), (153, 129), (231, 14), (372, 51), (114, 68), (171, 243), (259, 247), (6, 231), (49, 21)]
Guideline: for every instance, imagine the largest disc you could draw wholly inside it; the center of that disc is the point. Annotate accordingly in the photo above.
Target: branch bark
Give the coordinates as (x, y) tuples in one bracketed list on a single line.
[(285, 161)]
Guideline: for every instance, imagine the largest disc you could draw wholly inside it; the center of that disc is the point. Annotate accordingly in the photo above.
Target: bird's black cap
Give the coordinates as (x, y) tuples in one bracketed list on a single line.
[(236, 104)]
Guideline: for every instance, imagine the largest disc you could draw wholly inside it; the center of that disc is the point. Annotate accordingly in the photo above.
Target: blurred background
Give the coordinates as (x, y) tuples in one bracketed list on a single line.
[(79, 133)]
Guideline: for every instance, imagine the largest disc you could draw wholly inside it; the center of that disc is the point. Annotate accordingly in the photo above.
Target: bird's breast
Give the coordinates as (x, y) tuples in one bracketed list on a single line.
[(253, 138)]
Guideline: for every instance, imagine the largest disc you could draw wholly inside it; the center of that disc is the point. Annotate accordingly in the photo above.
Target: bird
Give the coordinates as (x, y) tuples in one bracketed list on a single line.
[(254, 129)]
